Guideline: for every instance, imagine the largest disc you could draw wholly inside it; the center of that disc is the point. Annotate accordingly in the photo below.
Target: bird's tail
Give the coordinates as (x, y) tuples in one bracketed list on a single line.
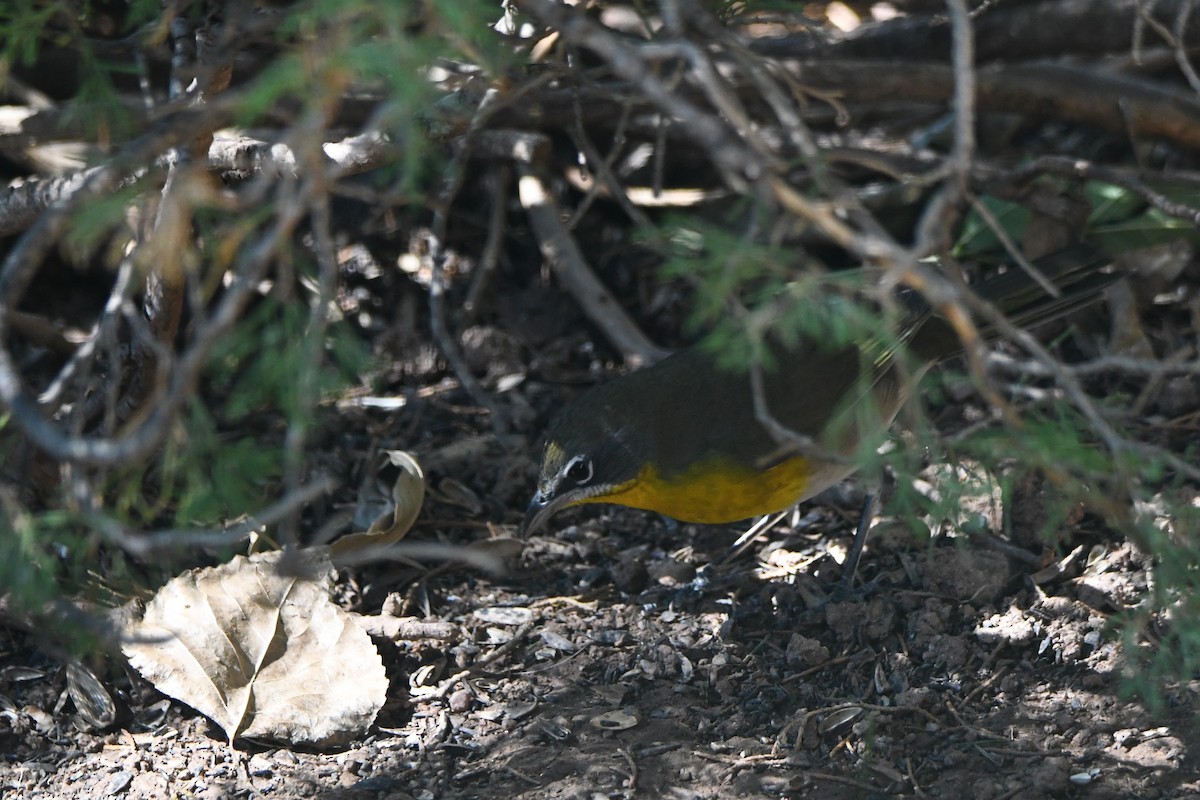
[(1078, 275)]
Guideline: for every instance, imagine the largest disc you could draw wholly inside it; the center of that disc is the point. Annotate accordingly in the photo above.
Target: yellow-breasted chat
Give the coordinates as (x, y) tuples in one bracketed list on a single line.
[(685, 437)]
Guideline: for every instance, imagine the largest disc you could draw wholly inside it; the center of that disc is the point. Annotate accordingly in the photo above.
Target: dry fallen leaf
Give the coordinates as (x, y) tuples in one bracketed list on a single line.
[(408, 494), (258, 646), (93, 703)]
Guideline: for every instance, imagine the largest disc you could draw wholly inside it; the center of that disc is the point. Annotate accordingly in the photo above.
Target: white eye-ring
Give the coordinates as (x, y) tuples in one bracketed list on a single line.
[(578, 470)]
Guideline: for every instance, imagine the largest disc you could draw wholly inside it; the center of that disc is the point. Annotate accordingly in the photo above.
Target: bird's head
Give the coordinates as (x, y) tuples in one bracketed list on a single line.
[(594, 450)]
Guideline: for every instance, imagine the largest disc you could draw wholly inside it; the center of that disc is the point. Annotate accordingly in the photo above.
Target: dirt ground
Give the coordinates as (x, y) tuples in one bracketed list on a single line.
[(600, 667)]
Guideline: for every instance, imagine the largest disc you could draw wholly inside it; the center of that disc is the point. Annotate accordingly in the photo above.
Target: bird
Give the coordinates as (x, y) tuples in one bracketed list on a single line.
[(683, 437)]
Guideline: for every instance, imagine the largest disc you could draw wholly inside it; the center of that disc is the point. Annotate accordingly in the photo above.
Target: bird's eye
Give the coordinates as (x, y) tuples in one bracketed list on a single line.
[(579, 470)]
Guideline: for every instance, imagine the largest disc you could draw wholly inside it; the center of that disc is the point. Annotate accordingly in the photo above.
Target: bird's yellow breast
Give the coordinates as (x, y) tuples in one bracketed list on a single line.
[(714, 491)]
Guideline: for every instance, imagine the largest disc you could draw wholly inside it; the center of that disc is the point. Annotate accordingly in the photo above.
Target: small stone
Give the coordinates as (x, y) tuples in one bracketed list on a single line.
[(918, 697), (1012, 627), (461, 700), (118, 783), (260, 765), (630, 575), (805, 652)]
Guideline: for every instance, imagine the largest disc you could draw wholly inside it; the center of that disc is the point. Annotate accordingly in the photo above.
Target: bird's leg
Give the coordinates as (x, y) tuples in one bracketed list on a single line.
[(752, 534), (761, 526), (860, 539)]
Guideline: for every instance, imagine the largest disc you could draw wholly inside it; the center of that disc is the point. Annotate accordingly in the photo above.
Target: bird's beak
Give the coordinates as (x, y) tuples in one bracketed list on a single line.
[(541, 508), (536, 515)]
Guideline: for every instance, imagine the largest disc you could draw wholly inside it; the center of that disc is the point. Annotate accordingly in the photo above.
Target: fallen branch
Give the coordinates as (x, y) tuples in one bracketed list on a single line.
[(406, 629)]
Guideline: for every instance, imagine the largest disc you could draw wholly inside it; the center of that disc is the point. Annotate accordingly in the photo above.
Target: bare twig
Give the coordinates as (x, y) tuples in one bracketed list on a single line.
[(964, 97), (563, 254), (731, 159), (452, 182), (1141, 367), (1082, 169), (351, 156), (1174, 39), (406, 628), (485, 271), (450, 348), (527, 146), (792, 442), (602, 168), (21, 206), (134, 443), (1065, 380), (145, 544), (1011, 248), (307, 388)]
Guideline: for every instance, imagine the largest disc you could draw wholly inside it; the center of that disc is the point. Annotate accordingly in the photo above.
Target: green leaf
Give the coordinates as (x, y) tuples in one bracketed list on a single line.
[(977, 237), (1148, 229), (1111, 203)]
